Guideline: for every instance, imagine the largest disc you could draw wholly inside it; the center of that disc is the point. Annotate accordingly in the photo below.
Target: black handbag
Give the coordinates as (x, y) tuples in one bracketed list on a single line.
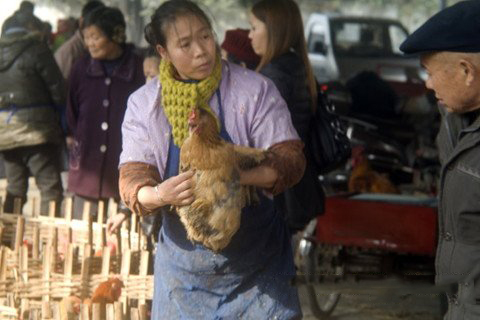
[(327, 138)]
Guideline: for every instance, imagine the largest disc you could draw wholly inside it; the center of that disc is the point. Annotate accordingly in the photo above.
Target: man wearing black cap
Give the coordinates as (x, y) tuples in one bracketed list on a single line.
[(449, 45)]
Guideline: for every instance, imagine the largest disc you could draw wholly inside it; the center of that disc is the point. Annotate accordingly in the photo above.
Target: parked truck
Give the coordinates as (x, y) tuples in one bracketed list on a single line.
[(341, 46)]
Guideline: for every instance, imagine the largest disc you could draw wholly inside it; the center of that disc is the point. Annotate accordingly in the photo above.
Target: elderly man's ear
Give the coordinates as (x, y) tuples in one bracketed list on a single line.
[(470, 70)]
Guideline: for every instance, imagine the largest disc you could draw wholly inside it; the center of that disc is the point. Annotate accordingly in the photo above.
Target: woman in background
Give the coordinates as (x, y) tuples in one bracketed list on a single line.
[(99, 86), (278, 38)]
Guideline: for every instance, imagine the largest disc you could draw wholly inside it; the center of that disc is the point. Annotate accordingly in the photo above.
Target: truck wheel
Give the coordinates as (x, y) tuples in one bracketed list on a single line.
[(321, 304)]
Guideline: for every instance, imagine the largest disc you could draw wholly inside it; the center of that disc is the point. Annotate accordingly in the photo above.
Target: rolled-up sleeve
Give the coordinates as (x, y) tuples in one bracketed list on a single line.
[(133, 176), (288, 159)]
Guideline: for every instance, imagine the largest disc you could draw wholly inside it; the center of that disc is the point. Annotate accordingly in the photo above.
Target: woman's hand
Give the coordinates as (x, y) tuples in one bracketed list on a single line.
[(261, 176), (177, 191), (114, 222)]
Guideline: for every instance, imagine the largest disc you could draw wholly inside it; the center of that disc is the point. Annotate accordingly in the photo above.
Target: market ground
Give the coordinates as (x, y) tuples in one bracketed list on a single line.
[(388, 299)]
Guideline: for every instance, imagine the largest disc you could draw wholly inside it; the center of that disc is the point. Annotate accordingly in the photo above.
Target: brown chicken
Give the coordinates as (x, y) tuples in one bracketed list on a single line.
[(107, 292), (214, 216), (365, 180)]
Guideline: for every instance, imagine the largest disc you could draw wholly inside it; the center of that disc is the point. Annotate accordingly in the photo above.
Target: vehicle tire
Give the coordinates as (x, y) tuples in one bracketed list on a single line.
[(321, 304)]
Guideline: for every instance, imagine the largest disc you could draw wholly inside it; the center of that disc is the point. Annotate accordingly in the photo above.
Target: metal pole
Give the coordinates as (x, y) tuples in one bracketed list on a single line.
[(443, 4)]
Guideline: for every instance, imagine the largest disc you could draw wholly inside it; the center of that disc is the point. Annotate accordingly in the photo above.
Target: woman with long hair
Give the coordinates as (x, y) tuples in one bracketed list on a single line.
[(251, 277), (278, 38)]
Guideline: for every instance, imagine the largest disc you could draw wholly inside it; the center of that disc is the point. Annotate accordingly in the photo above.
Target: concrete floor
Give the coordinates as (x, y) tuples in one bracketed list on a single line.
[(389, 299)]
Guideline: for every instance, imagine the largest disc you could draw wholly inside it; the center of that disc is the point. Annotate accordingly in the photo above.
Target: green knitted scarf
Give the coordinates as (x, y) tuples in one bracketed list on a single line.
[(179, 98)]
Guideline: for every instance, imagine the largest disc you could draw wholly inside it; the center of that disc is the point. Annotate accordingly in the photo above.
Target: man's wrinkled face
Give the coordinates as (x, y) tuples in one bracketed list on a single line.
[(453, 80)]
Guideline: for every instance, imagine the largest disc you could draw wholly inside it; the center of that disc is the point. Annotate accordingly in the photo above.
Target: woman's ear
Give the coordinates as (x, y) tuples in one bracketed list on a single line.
[(162, 52)]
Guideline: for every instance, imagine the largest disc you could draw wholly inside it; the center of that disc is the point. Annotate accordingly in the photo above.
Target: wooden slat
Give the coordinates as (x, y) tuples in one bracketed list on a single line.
[(101, 237), (19, 233), (36, 242), (54, 243), (143, 312), (46, 311), (118, 310), (96, 311), (90, 231), (68, 209), (84, 312), (110, 311), (34, 211), (17, 206), (134, 314), (86, 210), (85, 272), (143, 270), (105, 261), (47, 264), (52, 207)]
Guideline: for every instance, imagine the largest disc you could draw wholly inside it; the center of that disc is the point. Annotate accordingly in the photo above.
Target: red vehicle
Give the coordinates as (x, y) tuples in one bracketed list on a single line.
[(367, 236)]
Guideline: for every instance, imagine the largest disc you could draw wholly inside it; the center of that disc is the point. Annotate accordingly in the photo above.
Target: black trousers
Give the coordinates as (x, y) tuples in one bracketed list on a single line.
[(43, 162)]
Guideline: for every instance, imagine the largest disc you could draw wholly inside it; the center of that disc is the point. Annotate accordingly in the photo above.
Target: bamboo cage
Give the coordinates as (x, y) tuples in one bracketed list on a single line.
[(44, 259)]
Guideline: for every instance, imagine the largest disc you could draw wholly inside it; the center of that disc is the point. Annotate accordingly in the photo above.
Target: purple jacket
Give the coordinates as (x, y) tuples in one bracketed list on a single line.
[(95, 110)]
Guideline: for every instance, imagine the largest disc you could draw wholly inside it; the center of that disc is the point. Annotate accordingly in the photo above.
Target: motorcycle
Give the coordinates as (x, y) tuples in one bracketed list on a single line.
[(372, 235)]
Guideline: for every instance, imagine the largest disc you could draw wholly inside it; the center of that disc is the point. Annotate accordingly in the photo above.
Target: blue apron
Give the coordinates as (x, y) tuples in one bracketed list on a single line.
[(249, 279)]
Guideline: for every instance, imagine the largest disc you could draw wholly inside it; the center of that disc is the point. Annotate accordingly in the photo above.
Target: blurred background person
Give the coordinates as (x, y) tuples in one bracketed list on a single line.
[(31, 93), (151, 64), (74, 48), (237, 48), (26, 9), (66, 28), (99, 86), (278, 38)]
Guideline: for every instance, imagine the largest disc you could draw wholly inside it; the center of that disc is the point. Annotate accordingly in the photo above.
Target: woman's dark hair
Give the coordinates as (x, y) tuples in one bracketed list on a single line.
[(166, 14), (284, 25), (91, 6), (110, 21)]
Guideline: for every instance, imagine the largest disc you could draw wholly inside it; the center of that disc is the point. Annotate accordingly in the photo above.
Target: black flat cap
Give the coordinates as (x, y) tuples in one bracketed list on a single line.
[(455, 29)]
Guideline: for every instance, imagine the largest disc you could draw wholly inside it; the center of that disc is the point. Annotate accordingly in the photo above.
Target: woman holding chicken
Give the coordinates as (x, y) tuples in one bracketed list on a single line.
[(251, 277)]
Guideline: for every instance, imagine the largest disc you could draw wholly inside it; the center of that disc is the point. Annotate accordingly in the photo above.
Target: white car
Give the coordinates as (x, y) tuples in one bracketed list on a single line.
[(342, 46)]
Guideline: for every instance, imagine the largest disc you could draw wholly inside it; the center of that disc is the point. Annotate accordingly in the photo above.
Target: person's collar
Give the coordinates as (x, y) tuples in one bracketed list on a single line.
[(475, 122)]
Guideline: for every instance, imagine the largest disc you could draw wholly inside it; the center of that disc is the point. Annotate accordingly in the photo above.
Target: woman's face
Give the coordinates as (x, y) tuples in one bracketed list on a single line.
[(99, 45), (190, 47), (258, 34)]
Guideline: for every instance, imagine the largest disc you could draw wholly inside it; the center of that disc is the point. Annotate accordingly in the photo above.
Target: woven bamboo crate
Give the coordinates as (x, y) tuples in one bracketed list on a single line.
[(49, 258)]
